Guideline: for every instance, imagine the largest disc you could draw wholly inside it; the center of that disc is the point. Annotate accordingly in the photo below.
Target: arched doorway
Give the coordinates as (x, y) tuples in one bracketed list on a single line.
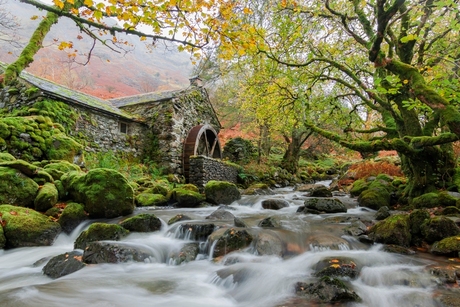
[(202, 140)]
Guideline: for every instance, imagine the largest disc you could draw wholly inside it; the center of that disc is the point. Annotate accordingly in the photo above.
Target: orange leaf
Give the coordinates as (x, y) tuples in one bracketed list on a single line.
[(13, 213)]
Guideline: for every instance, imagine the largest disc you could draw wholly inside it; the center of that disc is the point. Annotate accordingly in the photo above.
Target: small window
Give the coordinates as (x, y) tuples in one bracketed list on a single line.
[(124, 128)]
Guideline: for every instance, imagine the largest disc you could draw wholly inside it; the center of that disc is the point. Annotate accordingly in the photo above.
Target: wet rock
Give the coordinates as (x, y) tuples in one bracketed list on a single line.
[(99, 232), (449, 298), (308, 187), (323, 205), (258, 189), (438, 228), (270, 222), (196, 232), (382, 213), (275, 204), (221, 192), (64, 264), (356, 229), (72, 216), (268, 243), (229, 240), (143, 222), (324, 241), (445, 274), (392, 230), (26, 227), (221, 214), (103, 192), (321, 191), (336, 267), (396, 249), (326, 290), (187, 253), (177, 218), (114, 252), (239, 222)]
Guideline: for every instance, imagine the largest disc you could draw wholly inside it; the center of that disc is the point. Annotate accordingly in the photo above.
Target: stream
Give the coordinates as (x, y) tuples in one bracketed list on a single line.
[(239, 279)]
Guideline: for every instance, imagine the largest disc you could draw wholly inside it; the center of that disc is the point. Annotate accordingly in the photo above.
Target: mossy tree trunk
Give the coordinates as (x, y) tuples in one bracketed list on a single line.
[(290, 161)]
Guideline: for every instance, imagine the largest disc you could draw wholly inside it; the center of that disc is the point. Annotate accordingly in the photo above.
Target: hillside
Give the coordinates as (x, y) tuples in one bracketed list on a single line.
[(136, 69)]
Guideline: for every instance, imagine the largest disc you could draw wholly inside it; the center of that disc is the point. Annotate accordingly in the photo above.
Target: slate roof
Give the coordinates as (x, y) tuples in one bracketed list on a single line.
[(144, 98)]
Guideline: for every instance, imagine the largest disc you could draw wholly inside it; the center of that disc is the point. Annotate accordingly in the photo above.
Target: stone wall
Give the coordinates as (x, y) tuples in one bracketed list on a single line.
[(204, 169), (171, 120)]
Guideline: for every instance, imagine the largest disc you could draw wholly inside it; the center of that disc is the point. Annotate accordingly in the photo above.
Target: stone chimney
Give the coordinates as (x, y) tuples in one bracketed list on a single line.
[(196, 81)]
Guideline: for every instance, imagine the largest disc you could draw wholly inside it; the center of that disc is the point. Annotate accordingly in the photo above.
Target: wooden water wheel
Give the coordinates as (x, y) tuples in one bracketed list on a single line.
[(201, 140)]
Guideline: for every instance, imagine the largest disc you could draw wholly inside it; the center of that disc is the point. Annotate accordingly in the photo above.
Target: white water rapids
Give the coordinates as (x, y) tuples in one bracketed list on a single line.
[(385, 280)]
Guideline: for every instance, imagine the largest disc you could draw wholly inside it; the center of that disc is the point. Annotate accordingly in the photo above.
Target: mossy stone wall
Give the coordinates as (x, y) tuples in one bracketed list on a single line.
[(204, 169)]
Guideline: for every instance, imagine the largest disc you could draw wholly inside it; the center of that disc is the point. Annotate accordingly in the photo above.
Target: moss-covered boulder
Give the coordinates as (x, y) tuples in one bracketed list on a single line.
[(187, 198), (62, 147), (72, 216), (321, 191), (16, 188), (221, 192), (143, 222), (326, 290), (438, 228), (392, 230), (229, 240), (100, 232), (448, 246), (258, 189), (416, 219), (434, 199), (59, 168), (46, 198), (275, 203), (323, 205), (4, 156), (103, 192), (30, 170), (26, 227), (147, 199), (374, 198), (115, 252), (358, 187)]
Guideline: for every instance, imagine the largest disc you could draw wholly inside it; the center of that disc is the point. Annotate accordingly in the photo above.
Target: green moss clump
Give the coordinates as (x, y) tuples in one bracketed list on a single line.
[(57, 169), (142, 223), (358, 187), (2, 238), (148, 199), (26, 227), (4, 156), (177, 218), (374, 198), (99, 232), (187, 198), (221, 192), (62, 147), (438, 228), (72, 215), (448, 246), (392, 230), (190, 187), (434, 199), (47, 197), (16, 188)]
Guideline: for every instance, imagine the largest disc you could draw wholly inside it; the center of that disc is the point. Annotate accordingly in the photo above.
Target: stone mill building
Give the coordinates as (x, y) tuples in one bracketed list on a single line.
[(169, 127)]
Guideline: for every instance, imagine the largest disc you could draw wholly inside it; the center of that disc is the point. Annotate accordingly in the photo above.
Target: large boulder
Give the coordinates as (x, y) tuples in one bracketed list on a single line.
[(187, 253), (221, 214), (229, 240), (16, 188), (324, 241), (321, 191), (100, 232), (115, 252), (105, 193), (47, 197), (64, 264), (26, 227), (323, 205), (448, 247), (438, 228), (392, 230), (145, 199), (72, 216), (221, 192), (275, 203), (178, 218), (143, 222), (58, 168), (195, 232), (434, 199), (268, 243), (326, 290), (187, 198)]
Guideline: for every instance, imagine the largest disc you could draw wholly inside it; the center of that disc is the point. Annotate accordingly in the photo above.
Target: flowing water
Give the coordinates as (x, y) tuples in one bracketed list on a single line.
[(239, 279)]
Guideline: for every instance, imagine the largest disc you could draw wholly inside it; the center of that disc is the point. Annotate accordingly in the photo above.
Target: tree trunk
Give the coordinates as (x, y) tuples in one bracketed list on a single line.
[(290, 161)]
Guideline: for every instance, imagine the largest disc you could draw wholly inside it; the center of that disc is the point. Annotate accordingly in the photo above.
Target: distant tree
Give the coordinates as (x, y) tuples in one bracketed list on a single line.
[(192, 24), (8, 25)]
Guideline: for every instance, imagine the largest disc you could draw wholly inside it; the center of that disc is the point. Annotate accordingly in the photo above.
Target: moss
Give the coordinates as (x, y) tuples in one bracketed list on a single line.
[(62, 147), (221, 192), (16, 188), (47, 197), (190, 187), (187, 198), (72, 215), (99, 232), (26, 227), (4, 156), (177, 218), (57, 169), (374, 198), (448, 246), (438, 228), (142, 223), (148, 199), (159, 188), (393, 230), (434, 199), (358, 187)]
